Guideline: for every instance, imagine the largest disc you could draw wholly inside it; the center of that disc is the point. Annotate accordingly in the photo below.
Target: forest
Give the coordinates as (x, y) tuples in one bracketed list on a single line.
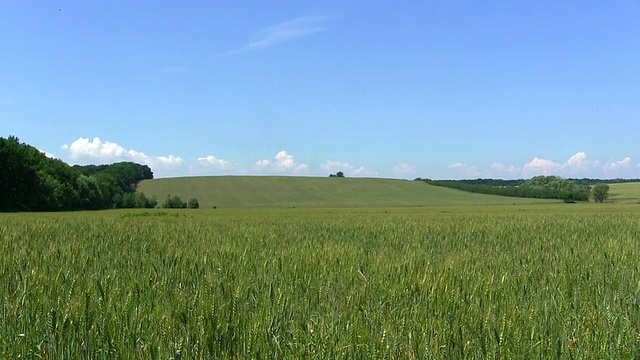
[(31, 181), (542, 187)]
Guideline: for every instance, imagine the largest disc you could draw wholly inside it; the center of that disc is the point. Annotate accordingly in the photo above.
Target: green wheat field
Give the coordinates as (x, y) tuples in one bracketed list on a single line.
[(517, 281)]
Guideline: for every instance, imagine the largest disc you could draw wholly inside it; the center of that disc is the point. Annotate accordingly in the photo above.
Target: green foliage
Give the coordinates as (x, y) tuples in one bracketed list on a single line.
[(541, 187), (137, 200), (89, 193), (589, 181), (493, 182), (142, 201), (555, 187), (148, 214), (446, 283), (600, 192), (193, 203), (124, 201), (174, 202), (118, 181), (30, 181)]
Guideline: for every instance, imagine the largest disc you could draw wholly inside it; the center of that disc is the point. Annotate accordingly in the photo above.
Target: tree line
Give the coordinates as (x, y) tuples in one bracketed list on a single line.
[(542, 187), (31, 181)]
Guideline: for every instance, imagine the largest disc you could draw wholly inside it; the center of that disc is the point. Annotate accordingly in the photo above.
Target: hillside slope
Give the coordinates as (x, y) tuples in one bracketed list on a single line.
[(288, 191), (624, 193)]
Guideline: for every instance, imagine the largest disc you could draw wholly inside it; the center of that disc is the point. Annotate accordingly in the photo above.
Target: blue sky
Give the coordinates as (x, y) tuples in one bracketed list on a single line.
[(436, 89)]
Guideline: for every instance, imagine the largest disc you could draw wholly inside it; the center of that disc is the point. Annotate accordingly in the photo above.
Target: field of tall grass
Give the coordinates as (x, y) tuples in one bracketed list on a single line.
[(553, 281)]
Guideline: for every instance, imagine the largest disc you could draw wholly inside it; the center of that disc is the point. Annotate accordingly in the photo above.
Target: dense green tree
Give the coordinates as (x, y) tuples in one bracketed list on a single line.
[(600, 192), (29, 180), (555, 187), (142, 201), (193, 203), (125, 201), (174, 202), (18, 175), (89, 193), (543, 187)]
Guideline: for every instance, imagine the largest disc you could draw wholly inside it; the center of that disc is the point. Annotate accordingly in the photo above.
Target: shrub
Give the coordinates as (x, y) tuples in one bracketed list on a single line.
[(174, 202), (193, 203)]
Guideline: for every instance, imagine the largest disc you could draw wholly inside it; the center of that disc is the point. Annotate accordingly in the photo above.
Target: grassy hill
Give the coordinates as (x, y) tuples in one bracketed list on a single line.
[(624, 192), (315, 192)]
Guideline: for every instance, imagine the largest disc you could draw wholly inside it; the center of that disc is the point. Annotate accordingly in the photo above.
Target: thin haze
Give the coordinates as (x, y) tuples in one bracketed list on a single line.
[(455, 89)]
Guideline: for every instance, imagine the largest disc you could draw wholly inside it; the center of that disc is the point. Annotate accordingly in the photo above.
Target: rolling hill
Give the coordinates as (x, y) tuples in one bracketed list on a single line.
[(628, 193), (315, 192)]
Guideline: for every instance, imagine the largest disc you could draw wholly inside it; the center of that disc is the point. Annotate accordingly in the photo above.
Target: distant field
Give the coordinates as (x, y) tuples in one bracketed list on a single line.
[(315, 192), (625, 192)]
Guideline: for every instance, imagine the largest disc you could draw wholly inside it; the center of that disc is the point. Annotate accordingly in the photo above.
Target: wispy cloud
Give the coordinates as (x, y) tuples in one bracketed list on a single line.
[(465, 170), (404, 170), (212, 165), (285, 31), (457, 165), (500, 170), (615, 166)]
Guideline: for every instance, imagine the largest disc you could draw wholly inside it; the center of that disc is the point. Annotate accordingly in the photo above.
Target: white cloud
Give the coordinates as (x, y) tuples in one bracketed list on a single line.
[(157, 161), (362, 172), (285, 31), (333, 166), (539, 166), (457, 166), (95, 151), (613, 166), (284, 163), (404, 170), (578, 160), (211, 165), (580, 165), (500, 170), (48, 154), (498, 166), (214, 162), (465, 170), (263, 163), (577, 166)]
